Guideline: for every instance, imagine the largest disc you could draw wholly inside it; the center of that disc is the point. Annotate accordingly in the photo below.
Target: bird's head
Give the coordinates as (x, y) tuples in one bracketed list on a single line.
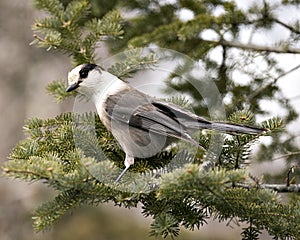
[(84, 77)]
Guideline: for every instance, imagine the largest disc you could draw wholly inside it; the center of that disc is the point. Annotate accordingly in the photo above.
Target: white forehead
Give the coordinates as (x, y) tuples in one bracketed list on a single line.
[(73, 75)]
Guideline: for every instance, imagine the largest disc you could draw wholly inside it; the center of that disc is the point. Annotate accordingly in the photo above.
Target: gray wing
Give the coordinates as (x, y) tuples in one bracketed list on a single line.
[(145, 113), (185, 117), (149, 114), (193, 121)]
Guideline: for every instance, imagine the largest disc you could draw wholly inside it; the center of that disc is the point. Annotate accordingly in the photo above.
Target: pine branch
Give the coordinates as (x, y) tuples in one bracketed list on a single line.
[(268, 85), (50, 212), (291, 28), (287, 155), (254, 47), (58, 90), (79, 158), (54, 7), (260, 205), (280, 188), (133, 61), (70, 30)]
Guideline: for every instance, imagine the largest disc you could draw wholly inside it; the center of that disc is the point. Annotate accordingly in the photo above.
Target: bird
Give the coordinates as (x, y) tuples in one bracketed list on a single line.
[(141, 124)]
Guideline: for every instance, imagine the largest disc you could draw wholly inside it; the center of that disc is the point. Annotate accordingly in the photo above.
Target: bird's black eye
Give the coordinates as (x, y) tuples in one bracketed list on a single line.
[(84, 72)]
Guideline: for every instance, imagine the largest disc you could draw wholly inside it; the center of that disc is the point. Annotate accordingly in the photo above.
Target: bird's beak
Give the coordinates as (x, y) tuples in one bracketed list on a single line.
[(72, 87)]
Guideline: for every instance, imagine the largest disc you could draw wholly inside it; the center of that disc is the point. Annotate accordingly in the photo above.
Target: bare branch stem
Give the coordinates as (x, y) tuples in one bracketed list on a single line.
[(292, 29), (255, 47), (286, 155)]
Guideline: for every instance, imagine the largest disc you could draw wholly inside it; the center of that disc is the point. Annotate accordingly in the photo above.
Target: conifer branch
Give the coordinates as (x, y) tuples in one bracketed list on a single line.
[(289, 27), (280, 188), (297, 153), (77, 156), (254, 47)]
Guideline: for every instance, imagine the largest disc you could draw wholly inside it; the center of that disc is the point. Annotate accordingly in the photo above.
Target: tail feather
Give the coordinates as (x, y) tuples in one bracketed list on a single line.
[(233, 128), (230, 128)]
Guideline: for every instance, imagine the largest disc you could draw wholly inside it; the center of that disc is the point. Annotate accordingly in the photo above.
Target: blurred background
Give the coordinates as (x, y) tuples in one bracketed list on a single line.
[(25, 71)]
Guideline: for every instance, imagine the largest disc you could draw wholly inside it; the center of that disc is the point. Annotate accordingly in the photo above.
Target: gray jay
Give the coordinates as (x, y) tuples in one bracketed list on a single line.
[(141, 124)]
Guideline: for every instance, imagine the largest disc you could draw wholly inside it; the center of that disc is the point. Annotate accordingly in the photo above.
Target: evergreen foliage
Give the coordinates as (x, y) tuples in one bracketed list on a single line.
[(69, 29), (70, 150)]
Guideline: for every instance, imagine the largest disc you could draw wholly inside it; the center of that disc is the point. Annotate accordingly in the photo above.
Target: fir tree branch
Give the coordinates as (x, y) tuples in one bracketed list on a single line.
[(186, 195), (50, 212), (286, 155), (280, 188), (70, 30), (254, 47), (134, 61), (264, 87), (58, 90), (292, 29)]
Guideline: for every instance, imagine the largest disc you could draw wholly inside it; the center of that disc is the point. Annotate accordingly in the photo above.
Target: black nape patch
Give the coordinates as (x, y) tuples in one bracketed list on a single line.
[(84, 72)]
